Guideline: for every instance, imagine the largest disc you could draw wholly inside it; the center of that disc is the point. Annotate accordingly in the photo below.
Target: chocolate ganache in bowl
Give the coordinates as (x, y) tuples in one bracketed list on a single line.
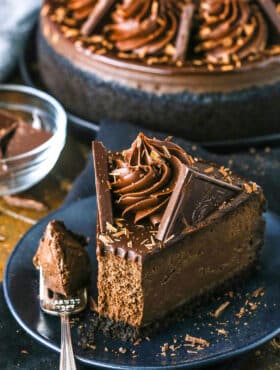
[(205, 69), (144, 27)]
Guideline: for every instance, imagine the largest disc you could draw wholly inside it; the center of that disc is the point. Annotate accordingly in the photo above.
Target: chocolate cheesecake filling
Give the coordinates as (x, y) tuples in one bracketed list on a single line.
[(209, 228)]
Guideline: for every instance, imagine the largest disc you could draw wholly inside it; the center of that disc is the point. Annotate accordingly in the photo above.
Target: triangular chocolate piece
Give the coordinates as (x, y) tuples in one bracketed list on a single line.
[(103, 191), (184, 31), (194, 198)]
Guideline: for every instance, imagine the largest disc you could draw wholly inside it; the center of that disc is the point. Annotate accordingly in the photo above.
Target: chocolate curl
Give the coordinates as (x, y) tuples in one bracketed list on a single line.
[(183, 36), (194, 198), (95, 17), (269, 8), (103, 191)]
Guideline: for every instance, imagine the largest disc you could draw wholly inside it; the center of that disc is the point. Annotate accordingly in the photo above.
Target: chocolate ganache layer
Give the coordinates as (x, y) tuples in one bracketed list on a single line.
[(135, 43)]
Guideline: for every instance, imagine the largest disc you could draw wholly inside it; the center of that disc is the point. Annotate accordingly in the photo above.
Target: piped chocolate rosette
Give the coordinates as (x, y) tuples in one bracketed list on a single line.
[(145, 177), (144, 27), (230, 30)]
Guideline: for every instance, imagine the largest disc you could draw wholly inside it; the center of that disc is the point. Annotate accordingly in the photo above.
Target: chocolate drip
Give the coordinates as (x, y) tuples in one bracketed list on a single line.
[(195, 197), (103, 192)]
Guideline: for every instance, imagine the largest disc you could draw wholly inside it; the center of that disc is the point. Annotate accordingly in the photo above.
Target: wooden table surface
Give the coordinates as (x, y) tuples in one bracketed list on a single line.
[(52, 191)]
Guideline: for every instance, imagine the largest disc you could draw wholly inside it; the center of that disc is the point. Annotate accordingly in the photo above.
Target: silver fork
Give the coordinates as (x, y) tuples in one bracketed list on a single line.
[(55, 304)]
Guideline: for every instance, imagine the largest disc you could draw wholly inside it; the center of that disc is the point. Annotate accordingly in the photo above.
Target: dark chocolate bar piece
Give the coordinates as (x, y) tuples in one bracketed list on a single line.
[(95, 17), (103, 191), (269, 8), (194, 198), (183, 36)]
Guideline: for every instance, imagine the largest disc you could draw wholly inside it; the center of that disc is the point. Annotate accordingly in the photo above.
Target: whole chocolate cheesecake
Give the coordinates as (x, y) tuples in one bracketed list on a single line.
[(171, 229), (206, 70)]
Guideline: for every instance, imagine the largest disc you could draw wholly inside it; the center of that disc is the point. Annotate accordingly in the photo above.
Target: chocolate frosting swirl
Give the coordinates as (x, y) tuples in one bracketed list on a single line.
[(144, 26), (230, 30), (145, 176)]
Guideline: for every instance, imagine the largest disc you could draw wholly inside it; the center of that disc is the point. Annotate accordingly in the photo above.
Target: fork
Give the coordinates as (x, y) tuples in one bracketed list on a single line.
[(58, 305)]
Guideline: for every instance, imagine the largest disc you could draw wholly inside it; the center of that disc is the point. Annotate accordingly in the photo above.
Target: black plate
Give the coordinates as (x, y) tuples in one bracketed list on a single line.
[(30, 75), (254, 328)]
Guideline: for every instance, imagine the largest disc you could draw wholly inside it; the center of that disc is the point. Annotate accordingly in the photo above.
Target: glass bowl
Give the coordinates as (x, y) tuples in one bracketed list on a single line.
[(20, 172)]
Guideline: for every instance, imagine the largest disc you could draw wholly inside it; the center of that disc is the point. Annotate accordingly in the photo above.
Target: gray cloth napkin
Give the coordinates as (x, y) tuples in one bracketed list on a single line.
[(17, 17)]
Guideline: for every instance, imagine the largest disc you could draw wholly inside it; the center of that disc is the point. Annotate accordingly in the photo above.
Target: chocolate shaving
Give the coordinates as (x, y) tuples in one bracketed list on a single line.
[(269, 8), (221, 309), (95, 17), (103, 193), (183, 35), (196, 341), (28, 203), (195, 196)]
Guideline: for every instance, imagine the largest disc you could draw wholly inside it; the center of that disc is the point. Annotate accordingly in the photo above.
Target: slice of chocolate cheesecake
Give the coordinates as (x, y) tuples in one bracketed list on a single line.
[(170, 230), (63, 259)]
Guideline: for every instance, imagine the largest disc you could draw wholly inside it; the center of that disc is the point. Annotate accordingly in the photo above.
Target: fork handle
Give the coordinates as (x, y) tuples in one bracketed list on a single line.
[(67, 360)]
